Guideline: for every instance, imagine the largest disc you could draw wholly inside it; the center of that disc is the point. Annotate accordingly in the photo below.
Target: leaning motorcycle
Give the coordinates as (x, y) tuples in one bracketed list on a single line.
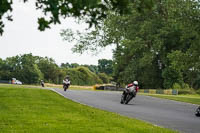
[(65, 86), (128, 94), (197, 113)]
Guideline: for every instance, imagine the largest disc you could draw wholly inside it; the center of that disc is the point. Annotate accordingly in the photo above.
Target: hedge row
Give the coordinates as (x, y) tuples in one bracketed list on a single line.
[(83, 76)]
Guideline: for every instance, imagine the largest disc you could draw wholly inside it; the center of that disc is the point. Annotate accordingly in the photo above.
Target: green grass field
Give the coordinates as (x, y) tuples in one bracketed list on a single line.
[(194, 99), (33, 110)]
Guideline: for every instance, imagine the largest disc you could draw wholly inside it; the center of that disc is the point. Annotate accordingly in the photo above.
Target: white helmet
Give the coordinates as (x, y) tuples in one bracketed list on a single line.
[(135, 83)]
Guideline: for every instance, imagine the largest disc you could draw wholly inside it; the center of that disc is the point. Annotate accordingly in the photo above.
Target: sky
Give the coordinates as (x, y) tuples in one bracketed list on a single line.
[(21, 36)]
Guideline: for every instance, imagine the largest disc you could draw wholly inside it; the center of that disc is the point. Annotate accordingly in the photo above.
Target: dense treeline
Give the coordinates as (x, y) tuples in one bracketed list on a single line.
[(31, 69), (157, 43), (159, 47), (104, 66)]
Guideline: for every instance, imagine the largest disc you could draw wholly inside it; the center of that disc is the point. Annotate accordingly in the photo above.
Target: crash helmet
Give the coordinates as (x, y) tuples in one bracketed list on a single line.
[(135, 83)]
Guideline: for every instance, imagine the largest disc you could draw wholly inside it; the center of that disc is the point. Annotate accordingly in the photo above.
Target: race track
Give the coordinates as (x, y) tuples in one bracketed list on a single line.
[(166, 113)]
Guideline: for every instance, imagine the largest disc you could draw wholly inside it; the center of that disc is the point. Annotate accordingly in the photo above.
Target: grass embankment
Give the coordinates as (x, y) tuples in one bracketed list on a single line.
[(35, 110), (194, 99)]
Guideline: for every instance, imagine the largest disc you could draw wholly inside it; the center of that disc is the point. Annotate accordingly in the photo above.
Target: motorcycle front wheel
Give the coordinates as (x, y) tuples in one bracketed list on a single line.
[(65, 88), (122, 99), (128, 99)]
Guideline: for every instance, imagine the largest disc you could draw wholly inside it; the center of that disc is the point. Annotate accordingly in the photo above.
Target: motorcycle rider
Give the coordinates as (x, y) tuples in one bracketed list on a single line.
[(66, 83), (42, 83), (197, 113), (127, 89)]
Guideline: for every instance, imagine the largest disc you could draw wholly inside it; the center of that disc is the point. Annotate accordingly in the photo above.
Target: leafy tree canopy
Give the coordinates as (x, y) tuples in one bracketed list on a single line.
[(105, 66), (92, 11), (159, 48), (31, 69)]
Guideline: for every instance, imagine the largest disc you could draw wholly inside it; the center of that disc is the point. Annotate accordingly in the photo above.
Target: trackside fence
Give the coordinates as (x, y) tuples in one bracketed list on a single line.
[(5, 81), (159, 91)]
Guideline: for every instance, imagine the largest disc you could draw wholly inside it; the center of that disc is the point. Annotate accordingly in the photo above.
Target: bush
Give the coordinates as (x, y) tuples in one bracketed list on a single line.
[(179, 87), (176, 86), (185, 86), (104, 77), (198, 91), (183, 89), (186, 91), (89, 77), (83, 76), (75, 76)]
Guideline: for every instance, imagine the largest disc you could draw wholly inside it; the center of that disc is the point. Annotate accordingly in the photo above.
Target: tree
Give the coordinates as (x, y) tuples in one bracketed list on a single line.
[(104, 78), (91, 10), (105, 66), (23, 68), (50, 69), (92, 68), (82, 76), (159, 47), (5, 73), (65, 65)]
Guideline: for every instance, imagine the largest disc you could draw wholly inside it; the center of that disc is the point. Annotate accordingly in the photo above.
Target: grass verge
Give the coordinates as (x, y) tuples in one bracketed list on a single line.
[(33, 110), (194, 99), (73, 87)]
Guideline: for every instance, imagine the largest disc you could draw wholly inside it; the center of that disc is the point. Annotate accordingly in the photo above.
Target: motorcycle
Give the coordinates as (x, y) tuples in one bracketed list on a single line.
[(66, 86), (197, 113), (128, 94)]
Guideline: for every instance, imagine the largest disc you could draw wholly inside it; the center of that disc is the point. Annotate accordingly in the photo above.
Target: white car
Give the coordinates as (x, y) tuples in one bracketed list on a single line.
[(18, 82)]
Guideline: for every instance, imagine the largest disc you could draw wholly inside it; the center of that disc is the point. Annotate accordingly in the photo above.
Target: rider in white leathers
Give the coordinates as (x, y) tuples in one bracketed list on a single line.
[(129, 87), (66, 83)]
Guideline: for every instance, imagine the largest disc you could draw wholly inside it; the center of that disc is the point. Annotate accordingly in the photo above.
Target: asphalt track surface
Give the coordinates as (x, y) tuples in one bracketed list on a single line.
[(165, 113)]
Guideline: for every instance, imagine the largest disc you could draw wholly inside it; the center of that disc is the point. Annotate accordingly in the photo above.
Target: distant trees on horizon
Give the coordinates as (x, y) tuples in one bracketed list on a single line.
[(31, 69)]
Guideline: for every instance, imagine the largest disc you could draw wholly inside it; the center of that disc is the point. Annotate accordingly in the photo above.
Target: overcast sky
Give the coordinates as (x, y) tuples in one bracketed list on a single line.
[(21, 37)]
